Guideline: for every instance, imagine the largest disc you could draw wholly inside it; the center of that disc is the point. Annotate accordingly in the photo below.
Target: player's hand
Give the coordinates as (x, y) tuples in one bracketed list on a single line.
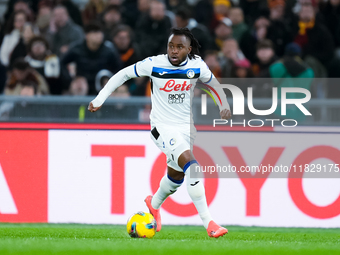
[(225, 114), (91, 108)]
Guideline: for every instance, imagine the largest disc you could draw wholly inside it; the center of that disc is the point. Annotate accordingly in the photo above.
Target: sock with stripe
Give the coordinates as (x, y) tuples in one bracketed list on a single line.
[(167, 187), (196, 191)]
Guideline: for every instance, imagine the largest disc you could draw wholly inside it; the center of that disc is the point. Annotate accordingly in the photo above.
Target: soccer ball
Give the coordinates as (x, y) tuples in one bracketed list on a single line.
[(141, 224)]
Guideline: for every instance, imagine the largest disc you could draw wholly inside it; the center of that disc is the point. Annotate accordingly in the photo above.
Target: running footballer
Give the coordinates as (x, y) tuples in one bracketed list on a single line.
[(172, 130)]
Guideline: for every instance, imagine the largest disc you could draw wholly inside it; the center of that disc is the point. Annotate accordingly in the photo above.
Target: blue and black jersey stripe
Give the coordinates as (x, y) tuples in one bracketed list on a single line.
[(175, 74)]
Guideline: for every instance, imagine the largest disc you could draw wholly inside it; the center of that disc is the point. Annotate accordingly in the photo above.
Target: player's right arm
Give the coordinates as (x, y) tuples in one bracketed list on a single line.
[(140, 69)]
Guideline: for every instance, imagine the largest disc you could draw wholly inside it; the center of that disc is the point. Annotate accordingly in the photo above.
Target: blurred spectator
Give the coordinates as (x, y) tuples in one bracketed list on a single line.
[(91, 56), (119, 108), (143, 9), (253, 9), (29, 7), (231, 54), (79, 86), (129, 11), (12, 36), (314, 38), (152, 30), (48, 65), (20, 50), (239, 26), (111, 19), (23, 5), (122, 91), (174, 5), (211, 59), (3, 77), (92, 11), (29, 88), (72, 10), (223, 31), (1, 32), (279, 29), (241, 70), (221, 8), (204, 13), (22, 72), (102, 78), (63, 31), (265, 57), (257, 33), (114, 2), (291, 66), (143, 6), (44, 16), (200, 32), (331, 15), (276, 9), (122, 39)]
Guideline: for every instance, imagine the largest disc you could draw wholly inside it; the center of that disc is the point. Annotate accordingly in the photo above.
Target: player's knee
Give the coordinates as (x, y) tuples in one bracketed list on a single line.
[(184, 158), (176, 175)]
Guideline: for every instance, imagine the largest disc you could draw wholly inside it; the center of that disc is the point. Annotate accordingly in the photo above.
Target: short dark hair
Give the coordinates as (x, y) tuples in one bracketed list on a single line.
[(31, 84), (183, 13), (193, 41), (265, 44), (92, 27), (111, 7), (10, 24), (121, 28), (37, 39), (21, 64)]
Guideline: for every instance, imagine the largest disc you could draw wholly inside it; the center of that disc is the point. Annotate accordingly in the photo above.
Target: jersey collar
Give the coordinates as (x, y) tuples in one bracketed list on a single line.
[(181, 64), (184, 62)]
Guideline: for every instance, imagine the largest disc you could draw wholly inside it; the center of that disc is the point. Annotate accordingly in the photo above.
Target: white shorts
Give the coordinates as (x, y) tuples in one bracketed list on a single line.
[(173, 141)]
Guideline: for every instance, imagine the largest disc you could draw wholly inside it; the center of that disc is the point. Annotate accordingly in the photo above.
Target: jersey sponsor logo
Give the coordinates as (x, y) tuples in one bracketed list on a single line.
[(171, 86), (163, 73), (176, 98), (191, 74)]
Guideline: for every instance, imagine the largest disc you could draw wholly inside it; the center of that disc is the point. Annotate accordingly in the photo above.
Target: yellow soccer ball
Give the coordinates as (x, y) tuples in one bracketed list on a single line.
[(141, 225)]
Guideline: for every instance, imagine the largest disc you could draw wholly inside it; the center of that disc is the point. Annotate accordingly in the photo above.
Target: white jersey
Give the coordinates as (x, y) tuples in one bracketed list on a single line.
[(171, 87)]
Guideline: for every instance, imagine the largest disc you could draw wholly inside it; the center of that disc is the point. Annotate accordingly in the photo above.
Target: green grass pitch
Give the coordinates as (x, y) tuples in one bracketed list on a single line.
[(112, 239)]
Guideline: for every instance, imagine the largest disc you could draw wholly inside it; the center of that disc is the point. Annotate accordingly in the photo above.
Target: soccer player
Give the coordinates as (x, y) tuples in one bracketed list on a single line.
[(173, 76)]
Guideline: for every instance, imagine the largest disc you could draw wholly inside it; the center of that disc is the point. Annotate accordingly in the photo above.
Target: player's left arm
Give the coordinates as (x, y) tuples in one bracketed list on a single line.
[(140, 69), (208, 78)]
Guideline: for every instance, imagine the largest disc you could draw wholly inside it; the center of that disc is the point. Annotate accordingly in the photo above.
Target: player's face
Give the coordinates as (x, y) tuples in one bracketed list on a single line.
[(178, 49)]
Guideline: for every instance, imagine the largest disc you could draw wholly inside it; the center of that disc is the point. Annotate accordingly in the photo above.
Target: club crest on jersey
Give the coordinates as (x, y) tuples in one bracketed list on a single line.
[(172, 141), (191, 74)]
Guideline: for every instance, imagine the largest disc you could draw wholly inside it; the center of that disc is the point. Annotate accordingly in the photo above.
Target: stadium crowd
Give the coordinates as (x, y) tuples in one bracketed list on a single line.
[(52, 47)]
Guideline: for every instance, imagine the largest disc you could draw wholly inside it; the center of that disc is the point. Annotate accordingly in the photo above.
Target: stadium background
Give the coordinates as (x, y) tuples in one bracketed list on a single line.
[(54, 166)]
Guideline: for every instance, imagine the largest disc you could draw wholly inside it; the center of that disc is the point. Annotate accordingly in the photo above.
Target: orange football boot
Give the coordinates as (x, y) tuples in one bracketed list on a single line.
[(156, 213)]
